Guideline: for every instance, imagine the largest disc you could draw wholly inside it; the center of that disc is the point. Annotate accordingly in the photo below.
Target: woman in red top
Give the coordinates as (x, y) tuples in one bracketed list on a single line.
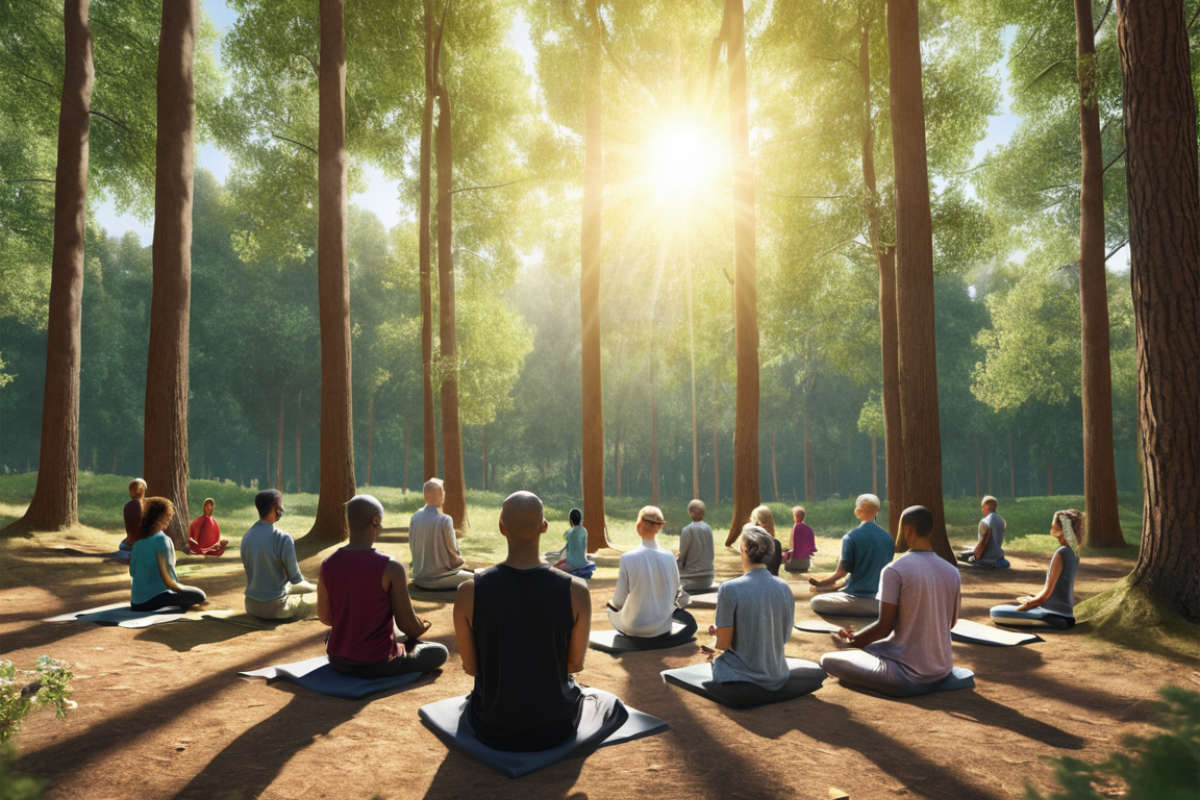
[(204, 534)]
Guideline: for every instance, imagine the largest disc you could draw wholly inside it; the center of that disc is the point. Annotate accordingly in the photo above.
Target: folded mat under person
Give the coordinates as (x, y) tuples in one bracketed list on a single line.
[(959, 678), (705, 599), (448, 719), (963, 631), (806, 677), (122, 615), (614, 642), (316, 675)]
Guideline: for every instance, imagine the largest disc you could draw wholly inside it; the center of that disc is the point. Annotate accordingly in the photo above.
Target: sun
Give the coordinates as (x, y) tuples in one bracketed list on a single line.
[(683, 161)]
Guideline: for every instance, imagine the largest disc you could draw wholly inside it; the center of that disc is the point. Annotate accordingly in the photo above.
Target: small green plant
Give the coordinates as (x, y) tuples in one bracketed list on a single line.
[(47, 685), (1161, 767)]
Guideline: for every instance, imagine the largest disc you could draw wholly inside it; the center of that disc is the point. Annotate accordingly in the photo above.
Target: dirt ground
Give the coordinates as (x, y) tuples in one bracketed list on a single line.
[(162, 712)]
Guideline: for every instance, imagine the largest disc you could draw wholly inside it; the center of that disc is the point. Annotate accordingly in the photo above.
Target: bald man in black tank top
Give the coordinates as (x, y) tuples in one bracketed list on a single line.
[(522, 629)]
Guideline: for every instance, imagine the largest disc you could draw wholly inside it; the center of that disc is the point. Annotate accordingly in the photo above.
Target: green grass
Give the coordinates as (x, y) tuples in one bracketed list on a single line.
[(101, 498)]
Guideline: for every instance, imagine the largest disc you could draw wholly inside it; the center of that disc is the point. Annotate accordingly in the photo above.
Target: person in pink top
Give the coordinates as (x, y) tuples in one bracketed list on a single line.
[(798, 558), (362, 595)]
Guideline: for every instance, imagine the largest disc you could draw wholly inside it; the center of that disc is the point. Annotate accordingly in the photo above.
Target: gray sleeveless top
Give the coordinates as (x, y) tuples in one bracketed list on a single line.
[(1062, 598)]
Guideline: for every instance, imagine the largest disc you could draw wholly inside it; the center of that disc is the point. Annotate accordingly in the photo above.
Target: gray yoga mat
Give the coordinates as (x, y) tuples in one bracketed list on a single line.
[(122, 615), (446, 719), (806, 677), (316, 675), (615, 643), (963, 631), (704, 600)]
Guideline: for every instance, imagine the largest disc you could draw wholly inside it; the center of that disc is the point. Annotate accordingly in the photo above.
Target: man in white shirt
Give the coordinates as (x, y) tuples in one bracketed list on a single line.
[(909, 644), (645, 600)]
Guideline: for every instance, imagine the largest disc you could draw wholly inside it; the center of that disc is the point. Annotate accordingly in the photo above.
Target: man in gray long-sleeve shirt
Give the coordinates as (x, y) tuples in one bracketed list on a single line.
[(436, 562), (269, 558), (695, 556)]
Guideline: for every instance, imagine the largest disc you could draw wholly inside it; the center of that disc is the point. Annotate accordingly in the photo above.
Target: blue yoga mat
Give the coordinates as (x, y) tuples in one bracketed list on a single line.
[(316, 675), (806, 677), (447, 719)]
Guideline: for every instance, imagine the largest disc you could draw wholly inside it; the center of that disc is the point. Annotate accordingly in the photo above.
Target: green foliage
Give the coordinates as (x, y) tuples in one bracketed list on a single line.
[(46, 686), (1165, 766)]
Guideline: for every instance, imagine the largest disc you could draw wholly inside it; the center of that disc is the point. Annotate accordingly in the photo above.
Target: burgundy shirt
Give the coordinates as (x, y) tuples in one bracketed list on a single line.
[(363, 631), (133, 518)]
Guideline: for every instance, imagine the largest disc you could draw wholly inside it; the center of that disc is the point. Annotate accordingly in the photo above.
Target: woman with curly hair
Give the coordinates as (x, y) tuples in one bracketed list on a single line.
[(1054, 606), (152, 563)]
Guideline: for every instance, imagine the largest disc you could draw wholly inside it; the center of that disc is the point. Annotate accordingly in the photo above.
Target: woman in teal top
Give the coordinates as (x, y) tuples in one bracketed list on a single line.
[(575, 558), (1054, 606), (152, 563)]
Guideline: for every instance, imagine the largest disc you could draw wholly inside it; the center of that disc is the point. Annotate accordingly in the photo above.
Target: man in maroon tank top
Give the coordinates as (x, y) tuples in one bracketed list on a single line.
[(522, 630), (363, 596)]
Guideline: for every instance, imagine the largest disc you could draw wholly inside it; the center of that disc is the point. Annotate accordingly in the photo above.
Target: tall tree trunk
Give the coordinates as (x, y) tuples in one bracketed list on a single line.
[(874, 464), (774, 470), (55, 498), (370, 435), (885, 259), (279, 451), (452, 454), (299, 463), (592, 388), (716, 452), (920, 436), (337, 431), (745, 292), (165, 448), (429, 424), (1099, 468)]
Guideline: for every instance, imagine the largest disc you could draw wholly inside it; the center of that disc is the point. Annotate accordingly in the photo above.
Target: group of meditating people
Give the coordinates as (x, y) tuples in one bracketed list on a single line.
[(522, 626)]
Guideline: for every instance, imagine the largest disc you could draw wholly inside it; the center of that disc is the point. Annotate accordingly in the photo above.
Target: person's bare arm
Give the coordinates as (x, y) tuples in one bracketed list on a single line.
[(395, 583), (829, 581), (1056, 568), (724, 637), (985, 536), (324, 607), (877, 630), (464, 613), (581, 608)]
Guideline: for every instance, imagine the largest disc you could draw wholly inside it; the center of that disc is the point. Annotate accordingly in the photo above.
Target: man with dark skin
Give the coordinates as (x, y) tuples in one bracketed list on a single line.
[(359, 594), (522, 630)]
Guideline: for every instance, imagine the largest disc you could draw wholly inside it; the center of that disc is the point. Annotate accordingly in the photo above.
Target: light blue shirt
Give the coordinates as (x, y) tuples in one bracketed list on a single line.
[(866, 550), (761, 609), (143, 567), (269, 558), (576, 555)]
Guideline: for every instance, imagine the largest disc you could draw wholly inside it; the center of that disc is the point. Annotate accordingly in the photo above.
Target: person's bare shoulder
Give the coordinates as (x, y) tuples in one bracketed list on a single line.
[(580, 594)]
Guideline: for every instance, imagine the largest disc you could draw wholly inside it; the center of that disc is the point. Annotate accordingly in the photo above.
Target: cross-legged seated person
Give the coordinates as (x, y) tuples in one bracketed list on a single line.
[(909, 644), (763, 517), (645, 601), (1054, 606), (273, 578), (362, 595), (989, 548), (133, 516), (866, 550), (152, 563), (754, 618), (436, 563), (522, 630), (204, 534), (798, 557), (575, 559), (695, 556)]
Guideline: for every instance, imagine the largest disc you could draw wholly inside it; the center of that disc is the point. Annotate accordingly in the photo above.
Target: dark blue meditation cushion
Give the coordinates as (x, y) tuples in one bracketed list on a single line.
[(316, 675), (959, 678)]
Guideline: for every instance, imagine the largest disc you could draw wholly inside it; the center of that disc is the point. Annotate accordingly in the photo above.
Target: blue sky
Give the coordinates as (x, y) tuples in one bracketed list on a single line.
[(381, 195)]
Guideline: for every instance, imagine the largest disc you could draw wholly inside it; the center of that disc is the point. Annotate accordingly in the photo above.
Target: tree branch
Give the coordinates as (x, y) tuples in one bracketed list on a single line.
[(494, 185), (1044, 73), (293, 141), (1192, 21), (809, 196), (1115, 159), (27, 76), (1104, 16), (1113, 252), (28, 180), (102, 115)]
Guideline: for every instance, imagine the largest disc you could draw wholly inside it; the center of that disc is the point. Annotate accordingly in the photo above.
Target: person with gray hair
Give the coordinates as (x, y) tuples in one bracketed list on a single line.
[(362, 595), (754, 618), (866, 550), (909, 644), (695, 556), (436, 562)]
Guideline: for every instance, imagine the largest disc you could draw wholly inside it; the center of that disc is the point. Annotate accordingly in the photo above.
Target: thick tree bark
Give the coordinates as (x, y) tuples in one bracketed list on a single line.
[(55, 498), (920, 436), (429, 424), (279, 451), (165, 450), (337, 431), (885, 258), (1099, 468), (452, 454), (592, 388), (1164, 240), (745, 292)]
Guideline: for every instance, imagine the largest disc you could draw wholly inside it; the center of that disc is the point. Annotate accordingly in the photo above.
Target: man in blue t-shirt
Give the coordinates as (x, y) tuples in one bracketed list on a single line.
[(866, 550)]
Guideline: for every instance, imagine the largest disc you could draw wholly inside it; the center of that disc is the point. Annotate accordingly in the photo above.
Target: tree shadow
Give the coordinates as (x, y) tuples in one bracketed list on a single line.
[(258, 755), (460, 776), (183, 637)]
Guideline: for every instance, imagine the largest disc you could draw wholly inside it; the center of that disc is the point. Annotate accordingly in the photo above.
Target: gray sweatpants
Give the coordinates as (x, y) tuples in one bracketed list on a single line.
[(446, 582), (840, 604), (861, 668)]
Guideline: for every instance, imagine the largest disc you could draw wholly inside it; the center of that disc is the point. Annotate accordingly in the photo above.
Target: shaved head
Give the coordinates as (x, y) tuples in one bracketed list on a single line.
[(522, 515)]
